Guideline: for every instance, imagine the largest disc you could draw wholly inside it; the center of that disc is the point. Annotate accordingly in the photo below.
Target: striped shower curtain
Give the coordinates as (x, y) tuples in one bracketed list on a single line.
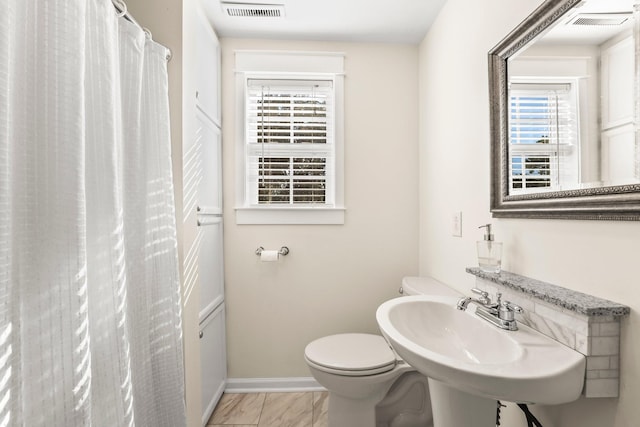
[(90, 331)]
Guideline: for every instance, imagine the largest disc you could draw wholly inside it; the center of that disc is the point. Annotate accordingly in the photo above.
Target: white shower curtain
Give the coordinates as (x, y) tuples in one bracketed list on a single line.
[(90, 331)]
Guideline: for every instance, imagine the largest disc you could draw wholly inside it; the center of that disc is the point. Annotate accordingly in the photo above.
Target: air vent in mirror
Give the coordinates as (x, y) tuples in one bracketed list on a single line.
[(600, 18)]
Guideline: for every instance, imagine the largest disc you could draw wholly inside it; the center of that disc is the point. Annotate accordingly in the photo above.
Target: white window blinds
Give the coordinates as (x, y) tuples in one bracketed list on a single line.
[(290, 142), (542, 114), (542, 134)]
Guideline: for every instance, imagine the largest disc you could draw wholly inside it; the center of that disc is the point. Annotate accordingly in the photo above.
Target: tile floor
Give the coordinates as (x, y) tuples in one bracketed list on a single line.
[(271, 410)]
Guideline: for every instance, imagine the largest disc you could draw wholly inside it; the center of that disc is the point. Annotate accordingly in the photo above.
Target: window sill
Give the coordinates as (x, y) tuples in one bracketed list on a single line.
[(290, 215)]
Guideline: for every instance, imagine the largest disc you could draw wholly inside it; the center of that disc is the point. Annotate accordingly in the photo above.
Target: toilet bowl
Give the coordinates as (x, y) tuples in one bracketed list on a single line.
[(368, 384)]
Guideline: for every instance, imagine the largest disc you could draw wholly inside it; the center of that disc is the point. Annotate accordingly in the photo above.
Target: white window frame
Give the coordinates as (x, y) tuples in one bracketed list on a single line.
[(289, 65)]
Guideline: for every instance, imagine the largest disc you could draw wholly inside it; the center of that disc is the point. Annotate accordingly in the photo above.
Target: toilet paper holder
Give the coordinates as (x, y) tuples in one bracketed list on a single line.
[(283, 251)]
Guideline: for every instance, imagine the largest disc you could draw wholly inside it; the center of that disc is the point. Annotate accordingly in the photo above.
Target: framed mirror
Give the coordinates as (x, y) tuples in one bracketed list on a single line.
[(564, 107)]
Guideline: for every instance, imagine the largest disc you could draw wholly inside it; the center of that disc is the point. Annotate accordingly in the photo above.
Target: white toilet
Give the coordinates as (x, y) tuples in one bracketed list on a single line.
[(368, 384)]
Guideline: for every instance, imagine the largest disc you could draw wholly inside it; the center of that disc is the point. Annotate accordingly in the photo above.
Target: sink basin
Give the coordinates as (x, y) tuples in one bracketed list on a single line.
[(467, 353)]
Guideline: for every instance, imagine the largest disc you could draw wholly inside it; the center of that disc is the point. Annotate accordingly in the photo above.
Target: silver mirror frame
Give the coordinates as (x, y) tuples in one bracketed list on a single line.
[(621, 202)]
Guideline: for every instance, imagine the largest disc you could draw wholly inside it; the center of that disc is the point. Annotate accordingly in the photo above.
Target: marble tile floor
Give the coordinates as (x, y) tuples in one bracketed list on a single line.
[(271, 410)]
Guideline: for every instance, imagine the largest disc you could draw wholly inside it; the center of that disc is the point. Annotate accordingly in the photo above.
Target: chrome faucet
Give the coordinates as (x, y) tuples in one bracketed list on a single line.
[(501, 313)]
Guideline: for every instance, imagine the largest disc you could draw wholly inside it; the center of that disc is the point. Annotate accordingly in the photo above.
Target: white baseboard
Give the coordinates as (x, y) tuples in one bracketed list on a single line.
[(264, 385)]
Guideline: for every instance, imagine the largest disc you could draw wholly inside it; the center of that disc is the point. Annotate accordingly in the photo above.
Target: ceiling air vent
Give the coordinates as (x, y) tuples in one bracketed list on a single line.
[(600, 18), (251, 10)]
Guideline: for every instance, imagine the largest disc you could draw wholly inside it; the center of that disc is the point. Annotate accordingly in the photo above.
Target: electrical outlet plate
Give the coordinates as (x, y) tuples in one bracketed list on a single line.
[(456, 224)]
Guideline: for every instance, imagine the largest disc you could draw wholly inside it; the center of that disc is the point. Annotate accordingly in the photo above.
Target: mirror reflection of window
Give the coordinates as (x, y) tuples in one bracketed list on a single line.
[(543, 136)]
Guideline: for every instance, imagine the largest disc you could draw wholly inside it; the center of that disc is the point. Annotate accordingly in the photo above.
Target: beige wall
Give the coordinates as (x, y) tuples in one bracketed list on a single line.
[(335, 276), (600, 258)]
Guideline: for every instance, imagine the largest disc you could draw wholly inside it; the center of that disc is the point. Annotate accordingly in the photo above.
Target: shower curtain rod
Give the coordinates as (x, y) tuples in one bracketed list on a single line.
[(121, 7)]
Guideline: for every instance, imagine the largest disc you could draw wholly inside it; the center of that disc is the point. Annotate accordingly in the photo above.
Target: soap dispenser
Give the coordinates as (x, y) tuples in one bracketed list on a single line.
[(489, 252)]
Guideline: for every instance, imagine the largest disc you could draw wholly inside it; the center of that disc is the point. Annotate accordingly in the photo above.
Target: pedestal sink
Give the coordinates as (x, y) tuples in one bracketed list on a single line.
[(472, 363)]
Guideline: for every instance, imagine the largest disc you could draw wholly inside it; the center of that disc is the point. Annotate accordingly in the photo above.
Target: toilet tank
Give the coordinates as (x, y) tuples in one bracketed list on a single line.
[(426, 286)]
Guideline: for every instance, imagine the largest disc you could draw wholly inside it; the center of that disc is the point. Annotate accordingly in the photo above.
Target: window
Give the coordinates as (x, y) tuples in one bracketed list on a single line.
[(543, 136), (290, 142), (289, 138)]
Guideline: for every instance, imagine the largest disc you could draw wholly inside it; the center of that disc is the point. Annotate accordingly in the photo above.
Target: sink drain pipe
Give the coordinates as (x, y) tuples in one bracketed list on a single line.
[(532, 421)]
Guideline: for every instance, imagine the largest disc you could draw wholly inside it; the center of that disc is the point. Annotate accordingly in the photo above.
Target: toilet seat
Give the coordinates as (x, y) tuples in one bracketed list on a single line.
[(351, 354)]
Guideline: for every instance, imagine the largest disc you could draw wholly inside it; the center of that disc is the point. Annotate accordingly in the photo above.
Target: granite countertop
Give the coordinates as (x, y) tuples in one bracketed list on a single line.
[(553, 294)]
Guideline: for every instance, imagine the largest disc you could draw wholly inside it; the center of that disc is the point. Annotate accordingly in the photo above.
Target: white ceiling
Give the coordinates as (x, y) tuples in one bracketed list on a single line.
[(396, 21)]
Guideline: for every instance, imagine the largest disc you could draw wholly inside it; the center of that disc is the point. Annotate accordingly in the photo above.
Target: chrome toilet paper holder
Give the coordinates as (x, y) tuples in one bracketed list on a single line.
[(283, 251)]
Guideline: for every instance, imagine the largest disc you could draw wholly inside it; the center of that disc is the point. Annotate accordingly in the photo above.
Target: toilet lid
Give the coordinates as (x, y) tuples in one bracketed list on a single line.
[(361, 354)]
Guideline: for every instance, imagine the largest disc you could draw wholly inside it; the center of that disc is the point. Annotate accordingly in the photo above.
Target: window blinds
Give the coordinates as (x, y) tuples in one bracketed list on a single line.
[(542, 132), (542, 114), (530, 170), (289, 139)]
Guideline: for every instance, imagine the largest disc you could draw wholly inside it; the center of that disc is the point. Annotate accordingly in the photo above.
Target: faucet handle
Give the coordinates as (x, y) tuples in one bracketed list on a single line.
[(507, 309), (484, 295), (513, 307)]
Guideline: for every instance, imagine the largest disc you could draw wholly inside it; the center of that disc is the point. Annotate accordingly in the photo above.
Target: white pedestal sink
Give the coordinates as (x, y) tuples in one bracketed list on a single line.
[(472, 363)]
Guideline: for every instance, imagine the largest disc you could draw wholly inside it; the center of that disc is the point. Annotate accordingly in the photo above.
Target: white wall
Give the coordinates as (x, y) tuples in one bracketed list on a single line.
[(596, 257), (335, 276)]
